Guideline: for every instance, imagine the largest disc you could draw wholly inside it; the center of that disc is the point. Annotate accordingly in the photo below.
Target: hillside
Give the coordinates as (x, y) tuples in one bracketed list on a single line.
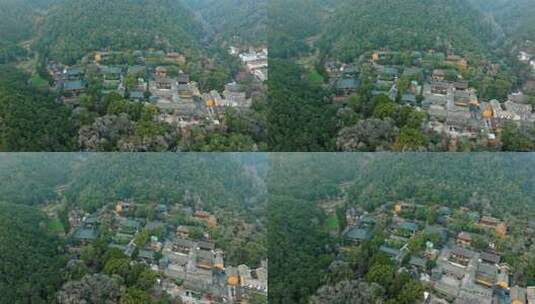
[(516, 17), (30, 119), (31, 261), (73, 28), (235, 21), (18, 20), (91, 180), (362, 25)]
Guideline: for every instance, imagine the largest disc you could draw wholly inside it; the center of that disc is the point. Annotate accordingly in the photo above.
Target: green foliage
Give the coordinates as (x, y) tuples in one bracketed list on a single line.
[(31, 178), (410, 139), (132, 176), (296, 248), (223, 142), (161, 24), (31, 261), (421, 177), (135, 296), (516, 138), (30, 120), (299, 118), (359, 26)]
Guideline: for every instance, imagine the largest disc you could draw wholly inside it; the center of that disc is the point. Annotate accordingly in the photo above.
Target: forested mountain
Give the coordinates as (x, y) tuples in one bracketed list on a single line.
[(18, 20), (91, 180), (515, 16), (234, 21), (73, 28), (452, 179), (218, 180), (31, 258), (362, 25), (15, 21), (290, 23), (31, 179)]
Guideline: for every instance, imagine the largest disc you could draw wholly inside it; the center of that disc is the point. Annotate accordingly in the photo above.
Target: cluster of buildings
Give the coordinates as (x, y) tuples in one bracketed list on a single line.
[(452, 105), (451, 267), (192, 268), (154, 77), (255, 61), (454, 109), (527, 56)]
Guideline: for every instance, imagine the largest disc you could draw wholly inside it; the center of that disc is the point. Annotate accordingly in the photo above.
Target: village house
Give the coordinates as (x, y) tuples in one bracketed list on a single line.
[(124, 207), (440, 87), (212, 99), (489, 258), (464, 239), (182, 231), (73, 73), (219, 263), (530, 294), (401, 207), (486, 274), (174, 57), (457, 61), (206, 217), (205, 259), (256, 62), (518, 295), (407, 228), (395, 254), (72, 89), (465, 98), (461, 256), (488, 222), (235, 96), (358, 235), (502, 279), (346, 86), (87, 231), (438, 75)]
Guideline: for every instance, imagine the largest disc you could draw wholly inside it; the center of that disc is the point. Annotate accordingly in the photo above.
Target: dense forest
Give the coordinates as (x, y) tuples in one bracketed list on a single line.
[(18, 20), (359, 26), (451, 179), (495, 184), (31, 258), (299, 248), (516, 17), (75, 28), (91, 180), (30, 119), (299, 118)]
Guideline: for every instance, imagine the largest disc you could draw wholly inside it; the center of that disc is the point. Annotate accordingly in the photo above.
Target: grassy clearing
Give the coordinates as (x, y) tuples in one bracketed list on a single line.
[(38, 82), (55, 226), (332, 223)]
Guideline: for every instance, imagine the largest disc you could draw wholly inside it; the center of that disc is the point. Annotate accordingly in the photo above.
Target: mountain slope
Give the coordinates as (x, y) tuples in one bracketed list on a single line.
[(243, 21), (73, 28), (516, 17), (31, 260), (362, 25)]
